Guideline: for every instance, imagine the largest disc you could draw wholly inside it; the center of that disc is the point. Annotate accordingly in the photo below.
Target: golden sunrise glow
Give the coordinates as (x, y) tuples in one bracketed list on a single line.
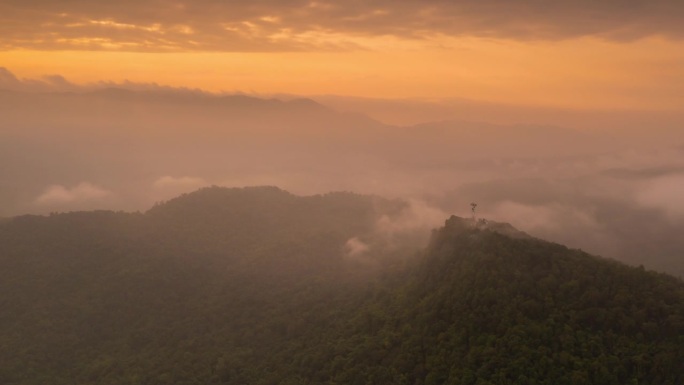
[(575, 73), (522, 56)]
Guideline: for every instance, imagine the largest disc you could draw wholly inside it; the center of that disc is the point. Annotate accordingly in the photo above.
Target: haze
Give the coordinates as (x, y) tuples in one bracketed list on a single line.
[(564, 120)]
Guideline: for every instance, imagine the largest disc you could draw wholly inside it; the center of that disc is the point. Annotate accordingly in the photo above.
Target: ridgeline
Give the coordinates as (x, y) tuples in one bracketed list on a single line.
[(253, 286)]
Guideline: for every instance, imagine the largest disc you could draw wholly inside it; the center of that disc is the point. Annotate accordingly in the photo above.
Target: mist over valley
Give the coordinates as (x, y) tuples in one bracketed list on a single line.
[(126, 146)]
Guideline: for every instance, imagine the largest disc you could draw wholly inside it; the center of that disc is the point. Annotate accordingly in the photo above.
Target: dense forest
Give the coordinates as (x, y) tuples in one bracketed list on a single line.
[(257, 286)]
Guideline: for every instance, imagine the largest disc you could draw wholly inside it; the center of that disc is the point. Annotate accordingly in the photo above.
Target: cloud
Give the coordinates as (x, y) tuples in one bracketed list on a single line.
[(355, 248), (549, 218), (406, 231), (664, 193), (270, 25), (58, 194), (417, 216)]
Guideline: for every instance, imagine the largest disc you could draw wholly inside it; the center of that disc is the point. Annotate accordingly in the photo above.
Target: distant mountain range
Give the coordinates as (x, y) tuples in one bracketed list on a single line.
[(260, 286), (613, 192)]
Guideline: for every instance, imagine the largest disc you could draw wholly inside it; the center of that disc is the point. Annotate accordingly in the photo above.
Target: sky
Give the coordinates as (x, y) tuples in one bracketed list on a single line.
[(580, 54)]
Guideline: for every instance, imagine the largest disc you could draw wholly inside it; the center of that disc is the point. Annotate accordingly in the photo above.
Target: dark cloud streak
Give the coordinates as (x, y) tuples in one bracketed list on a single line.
[(208, 25)]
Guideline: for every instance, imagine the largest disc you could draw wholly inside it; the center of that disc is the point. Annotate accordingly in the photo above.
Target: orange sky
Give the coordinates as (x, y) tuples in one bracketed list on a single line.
[(522, 54)]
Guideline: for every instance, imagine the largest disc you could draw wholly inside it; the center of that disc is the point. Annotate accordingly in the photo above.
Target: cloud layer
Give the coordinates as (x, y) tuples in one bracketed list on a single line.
[(83, 192), (294, 25), (609, 191)]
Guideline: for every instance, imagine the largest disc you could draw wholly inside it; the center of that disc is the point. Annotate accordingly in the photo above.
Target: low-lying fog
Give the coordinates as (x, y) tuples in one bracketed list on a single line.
[(614, 189)]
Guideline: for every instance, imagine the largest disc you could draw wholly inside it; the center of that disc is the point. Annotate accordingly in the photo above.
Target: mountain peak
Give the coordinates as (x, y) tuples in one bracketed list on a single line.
[(214, 197), (456, 225)]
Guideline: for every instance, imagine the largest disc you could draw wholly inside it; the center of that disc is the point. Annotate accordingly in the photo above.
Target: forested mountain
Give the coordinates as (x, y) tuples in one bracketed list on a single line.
[(258, 286)]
